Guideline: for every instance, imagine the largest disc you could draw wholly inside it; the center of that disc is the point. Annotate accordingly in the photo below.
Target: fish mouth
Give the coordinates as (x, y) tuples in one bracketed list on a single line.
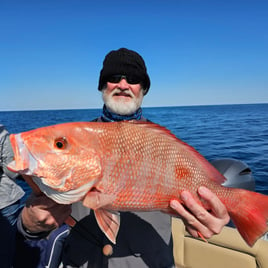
[(24, 162)]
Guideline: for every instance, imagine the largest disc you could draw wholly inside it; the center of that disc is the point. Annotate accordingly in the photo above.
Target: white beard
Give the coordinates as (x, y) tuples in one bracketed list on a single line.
[(122, 107)]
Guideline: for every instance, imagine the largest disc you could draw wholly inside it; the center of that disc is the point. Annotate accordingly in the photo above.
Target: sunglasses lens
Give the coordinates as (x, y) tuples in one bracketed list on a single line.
[(132, 79), (114, 78)]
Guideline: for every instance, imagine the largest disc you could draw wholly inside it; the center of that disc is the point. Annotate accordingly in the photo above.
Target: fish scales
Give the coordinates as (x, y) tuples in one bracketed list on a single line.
[(149, 173)]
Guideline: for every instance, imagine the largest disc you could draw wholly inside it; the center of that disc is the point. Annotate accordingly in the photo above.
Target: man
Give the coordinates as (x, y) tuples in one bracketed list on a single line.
[(144, 238)]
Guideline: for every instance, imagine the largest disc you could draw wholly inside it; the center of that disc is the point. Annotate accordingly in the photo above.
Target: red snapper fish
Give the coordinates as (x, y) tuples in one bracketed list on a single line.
[(127, 166)]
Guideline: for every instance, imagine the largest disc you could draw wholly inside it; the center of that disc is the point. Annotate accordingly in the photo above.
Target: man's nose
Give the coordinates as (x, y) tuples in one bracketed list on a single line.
[(123, 84)]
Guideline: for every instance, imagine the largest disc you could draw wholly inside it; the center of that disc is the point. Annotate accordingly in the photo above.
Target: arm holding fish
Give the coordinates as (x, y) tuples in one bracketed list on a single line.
[(198, 220)]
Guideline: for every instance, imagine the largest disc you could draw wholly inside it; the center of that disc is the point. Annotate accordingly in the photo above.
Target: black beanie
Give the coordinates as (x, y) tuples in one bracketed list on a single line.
[(125, 62)]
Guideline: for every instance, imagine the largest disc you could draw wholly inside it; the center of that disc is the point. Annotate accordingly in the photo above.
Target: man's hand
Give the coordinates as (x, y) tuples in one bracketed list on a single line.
[(42, 214), (198, 220)]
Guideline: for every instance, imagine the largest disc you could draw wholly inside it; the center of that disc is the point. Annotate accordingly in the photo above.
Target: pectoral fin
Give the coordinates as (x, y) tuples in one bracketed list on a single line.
[(109, 223), (95, 199)]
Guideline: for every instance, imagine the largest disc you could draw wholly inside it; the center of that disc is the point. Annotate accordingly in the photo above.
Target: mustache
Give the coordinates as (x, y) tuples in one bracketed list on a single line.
[(120, 91)]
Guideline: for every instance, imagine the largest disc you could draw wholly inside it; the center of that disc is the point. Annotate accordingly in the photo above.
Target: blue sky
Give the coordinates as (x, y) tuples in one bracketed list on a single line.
[(197, 52)]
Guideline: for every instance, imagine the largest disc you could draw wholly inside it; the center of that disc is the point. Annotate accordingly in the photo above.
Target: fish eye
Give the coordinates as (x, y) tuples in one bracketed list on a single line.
[(60, 143)]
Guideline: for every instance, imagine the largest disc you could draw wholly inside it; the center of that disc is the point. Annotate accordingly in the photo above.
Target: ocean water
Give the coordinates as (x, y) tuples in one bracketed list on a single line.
[(216, 131)]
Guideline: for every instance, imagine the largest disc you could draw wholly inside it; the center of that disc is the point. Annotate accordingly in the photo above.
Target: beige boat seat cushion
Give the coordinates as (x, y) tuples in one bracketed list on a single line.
[(226, 250)]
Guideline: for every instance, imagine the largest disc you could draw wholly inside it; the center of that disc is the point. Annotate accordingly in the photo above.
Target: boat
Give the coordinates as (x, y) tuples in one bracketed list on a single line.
[(226, 250)]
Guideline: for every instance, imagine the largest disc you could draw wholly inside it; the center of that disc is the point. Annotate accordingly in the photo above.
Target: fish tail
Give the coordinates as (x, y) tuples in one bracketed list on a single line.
[(250, 215)]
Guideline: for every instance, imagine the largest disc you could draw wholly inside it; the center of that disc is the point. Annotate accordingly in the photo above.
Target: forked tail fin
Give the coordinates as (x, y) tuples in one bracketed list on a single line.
[(250, 215)]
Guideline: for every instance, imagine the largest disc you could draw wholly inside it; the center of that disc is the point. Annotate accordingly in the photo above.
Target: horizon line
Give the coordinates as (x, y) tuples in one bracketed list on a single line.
[(146, 107)]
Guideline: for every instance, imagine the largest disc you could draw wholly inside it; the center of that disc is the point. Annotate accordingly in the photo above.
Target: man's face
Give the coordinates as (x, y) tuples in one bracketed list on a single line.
[(122, 98)]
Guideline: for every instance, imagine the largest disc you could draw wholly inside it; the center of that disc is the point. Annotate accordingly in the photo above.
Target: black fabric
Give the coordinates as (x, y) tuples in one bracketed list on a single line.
[(143, 240), (124, 62)]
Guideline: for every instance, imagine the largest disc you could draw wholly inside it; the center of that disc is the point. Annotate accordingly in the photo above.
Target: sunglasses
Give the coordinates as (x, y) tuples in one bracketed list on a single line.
[(131, 79)]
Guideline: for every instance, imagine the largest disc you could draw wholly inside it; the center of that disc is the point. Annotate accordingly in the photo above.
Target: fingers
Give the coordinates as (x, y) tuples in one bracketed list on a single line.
[(37, 221), (42, 214), (196, 218), (193, 215), (189, 220), (216, 206)]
